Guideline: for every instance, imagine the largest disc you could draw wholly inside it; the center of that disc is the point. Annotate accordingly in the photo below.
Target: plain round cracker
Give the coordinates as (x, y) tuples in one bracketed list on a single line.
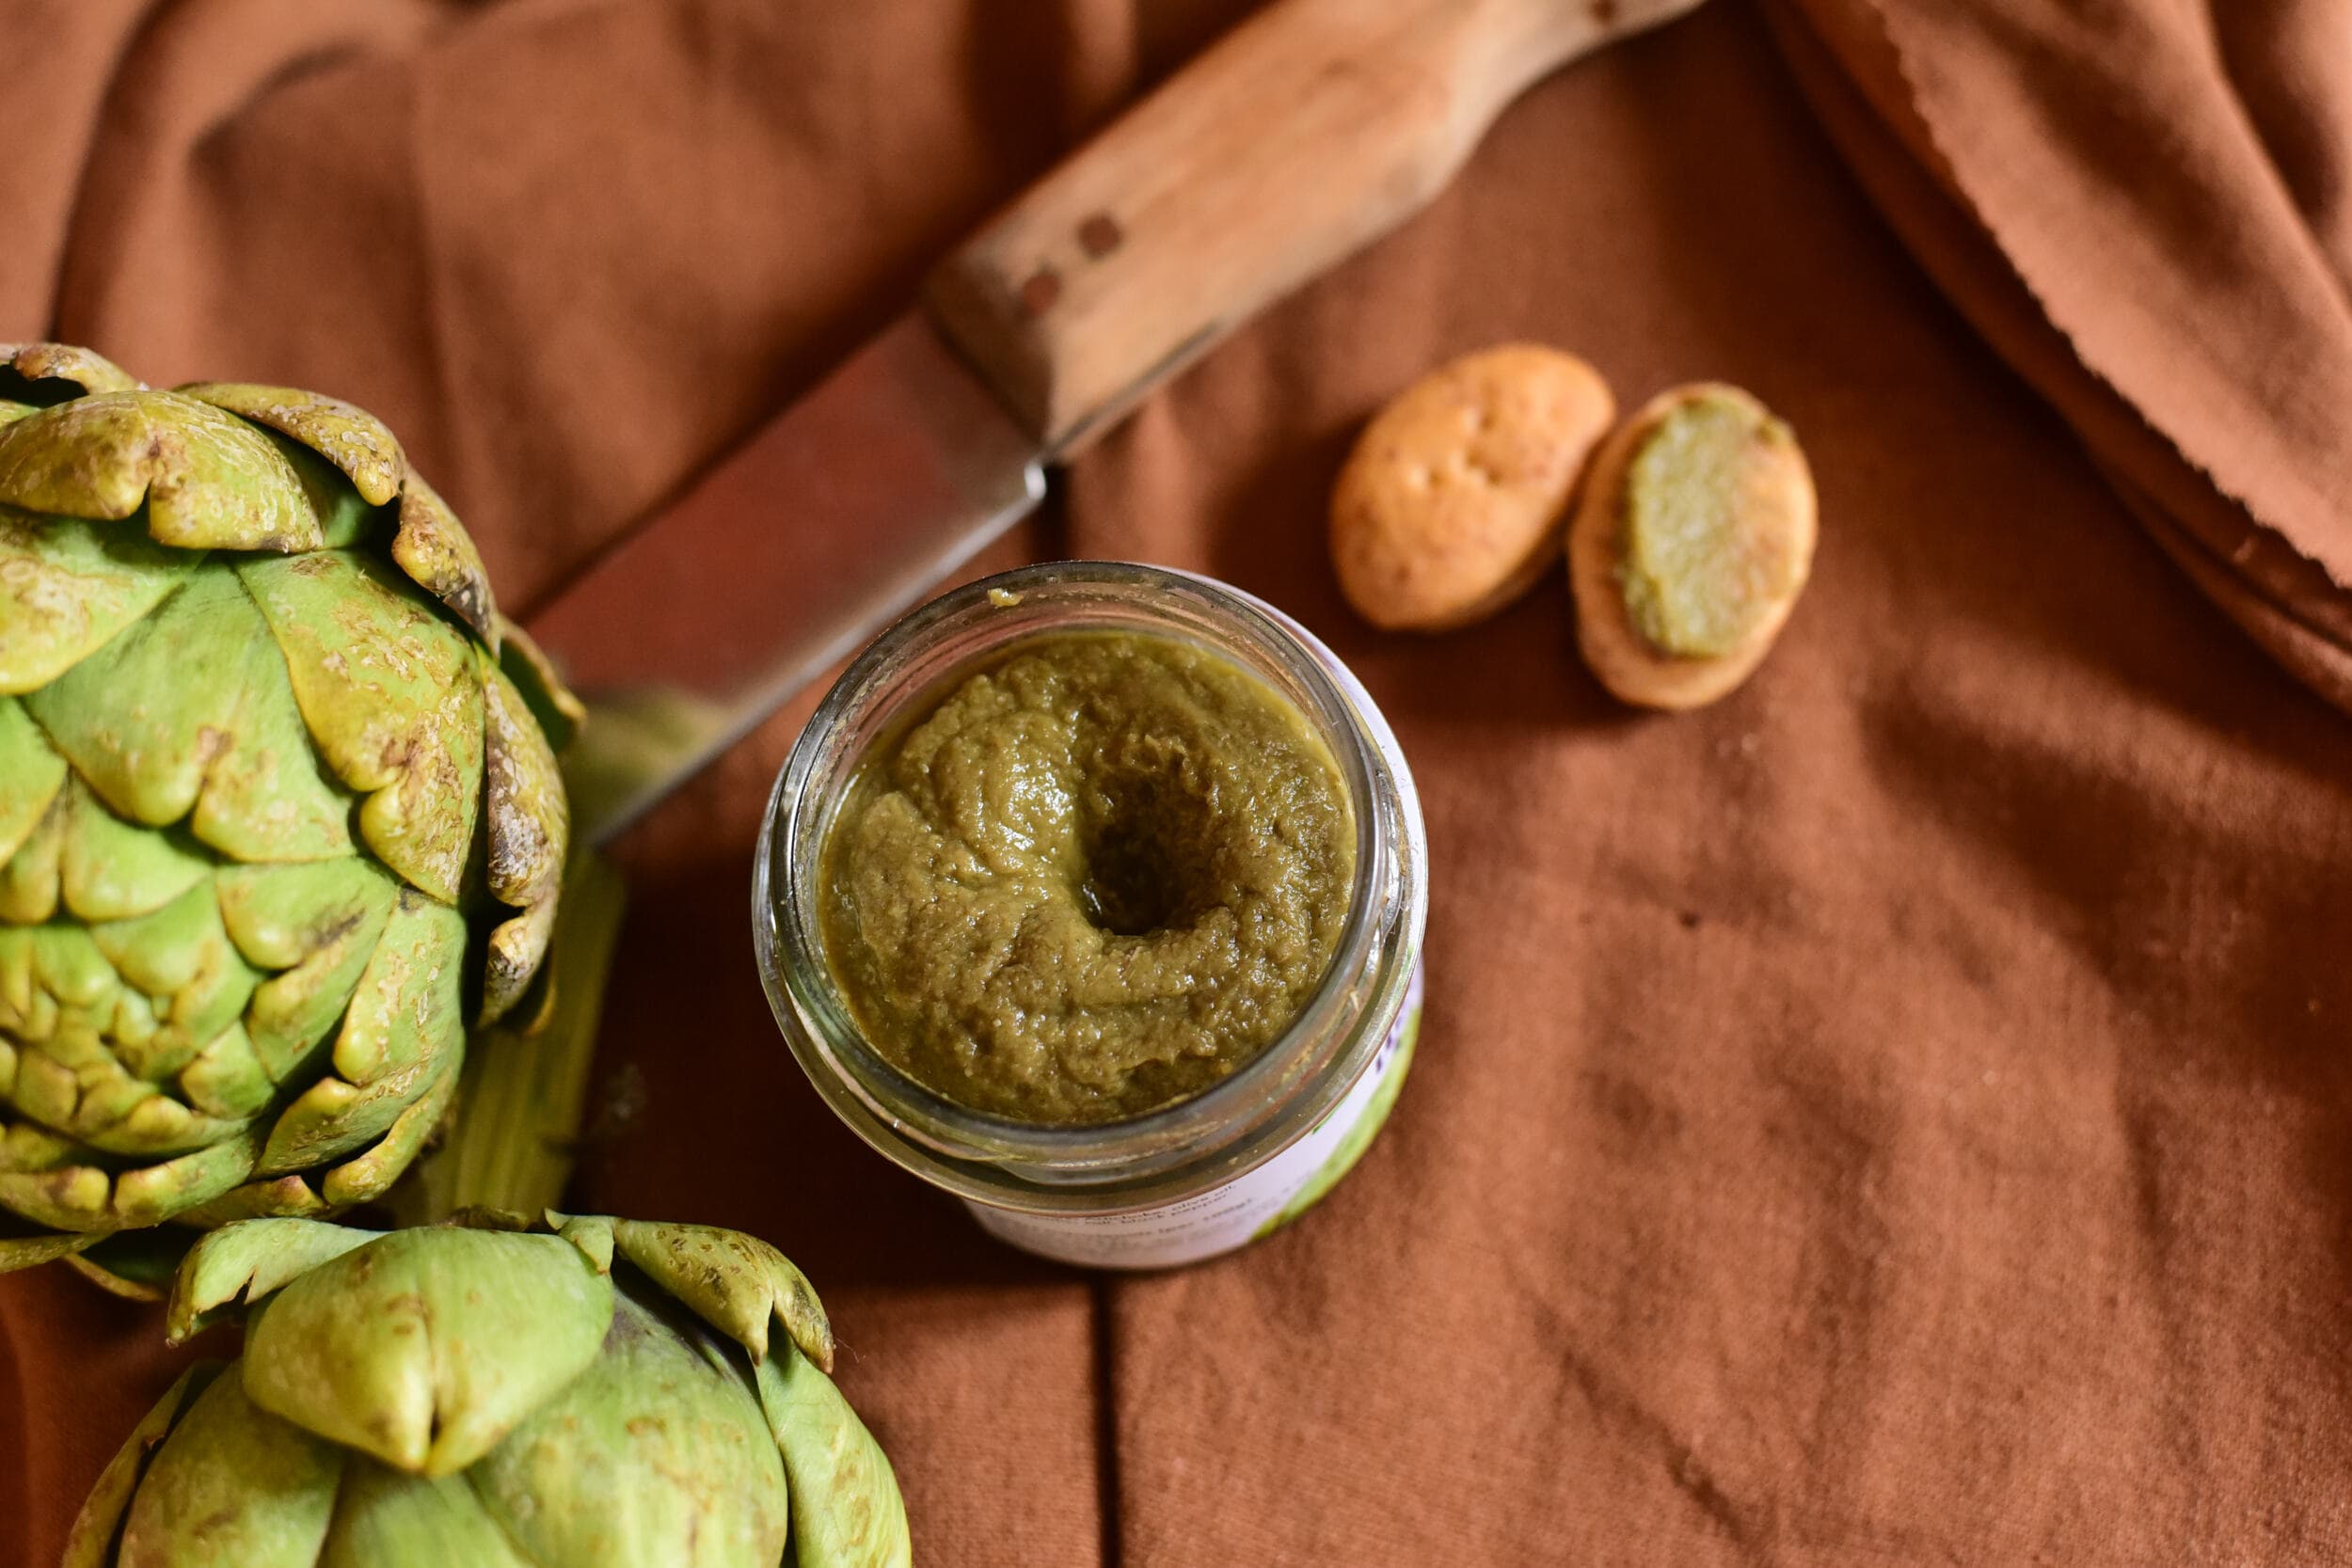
[(1457, 493)]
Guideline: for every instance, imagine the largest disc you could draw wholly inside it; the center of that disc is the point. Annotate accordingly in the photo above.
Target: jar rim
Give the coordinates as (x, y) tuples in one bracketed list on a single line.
[(990, 1156)]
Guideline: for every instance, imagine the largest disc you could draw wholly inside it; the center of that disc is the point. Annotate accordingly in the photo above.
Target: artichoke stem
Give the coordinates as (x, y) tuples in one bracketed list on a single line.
[(515, 1130)]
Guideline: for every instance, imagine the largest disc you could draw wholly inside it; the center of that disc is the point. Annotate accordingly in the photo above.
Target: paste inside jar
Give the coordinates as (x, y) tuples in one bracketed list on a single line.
[(1097, 876)]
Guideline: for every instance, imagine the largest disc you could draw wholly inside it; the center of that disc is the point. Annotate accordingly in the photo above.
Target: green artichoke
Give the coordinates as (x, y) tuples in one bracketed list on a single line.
[(280, 813), (499, 1398)]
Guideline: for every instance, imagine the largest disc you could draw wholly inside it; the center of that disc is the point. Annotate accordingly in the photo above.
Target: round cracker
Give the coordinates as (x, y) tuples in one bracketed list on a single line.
[(1457, 493)]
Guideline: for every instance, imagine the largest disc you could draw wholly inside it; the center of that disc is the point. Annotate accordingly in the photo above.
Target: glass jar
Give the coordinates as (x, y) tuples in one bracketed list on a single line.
[(1194, 1179)]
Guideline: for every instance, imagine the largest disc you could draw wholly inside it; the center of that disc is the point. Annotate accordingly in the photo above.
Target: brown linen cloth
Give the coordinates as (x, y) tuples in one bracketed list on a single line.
[(2144, 208), (1897, 1116)]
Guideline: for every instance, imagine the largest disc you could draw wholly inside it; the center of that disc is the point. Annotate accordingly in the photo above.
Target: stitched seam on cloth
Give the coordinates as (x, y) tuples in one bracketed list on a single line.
[(1905, 60)]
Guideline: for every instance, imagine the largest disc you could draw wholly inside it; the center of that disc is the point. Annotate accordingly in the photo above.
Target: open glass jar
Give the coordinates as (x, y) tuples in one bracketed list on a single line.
[(1204, 1174)]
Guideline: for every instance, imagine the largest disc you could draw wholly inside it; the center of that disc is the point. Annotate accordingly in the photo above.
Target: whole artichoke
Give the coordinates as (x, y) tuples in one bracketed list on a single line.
[(453, 1397), (280, 816)]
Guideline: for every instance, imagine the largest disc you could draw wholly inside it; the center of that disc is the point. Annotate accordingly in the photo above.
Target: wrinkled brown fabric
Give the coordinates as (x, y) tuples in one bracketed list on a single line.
[(2141, 207), (1900, 1115)]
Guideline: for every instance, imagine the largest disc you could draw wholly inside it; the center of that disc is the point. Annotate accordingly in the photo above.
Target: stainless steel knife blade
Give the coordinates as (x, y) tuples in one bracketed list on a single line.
[(798, 546)]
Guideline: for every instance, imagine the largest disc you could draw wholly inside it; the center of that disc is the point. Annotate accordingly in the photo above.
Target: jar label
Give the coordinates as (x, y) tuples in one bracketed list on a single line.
[(1254, 1204)]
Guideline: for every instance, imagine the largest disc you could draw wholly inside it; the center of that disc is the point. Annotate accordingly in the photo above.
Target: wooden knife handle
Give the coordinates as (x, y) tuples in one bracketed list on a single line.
[(1308, 131)]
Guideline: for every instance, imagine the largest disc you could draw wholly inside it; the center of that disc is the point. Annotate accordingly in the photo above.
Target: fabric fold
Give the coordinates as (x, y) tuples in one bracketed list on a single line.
[(2091, 189)]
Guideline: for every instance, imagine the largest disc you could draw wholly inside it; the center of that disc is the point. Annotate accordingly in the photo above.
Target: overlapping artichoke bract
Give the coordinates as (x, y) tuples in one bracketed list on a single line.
[(593, 1393), (279, 815)]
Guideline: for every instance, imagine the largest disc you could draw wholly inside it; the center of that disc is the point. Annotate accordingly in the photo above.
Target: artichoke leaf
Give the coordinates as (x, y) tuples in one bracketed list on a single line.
[(207, 479), (276, 1197), (227, 1079), (69, 587), (515, 954), (352, 439), (591, 1233), (138, 1119), (439, 555), (24, 1252), (657, 1456), (56, 1182), (528, 823), (91, 372), (143, 718), (334, 1117), (403, 1032), (152, 1193), (424, 1348), (283, 916), (345, 518), (242, 1263), (392, 696), (107, 1279), (529, 831), (62, 1193), (734, 1282), (32, 775), (385, 1519), (268, 795), (368, 1175), (190, 714), (234, 1486), (108, 1110), (182, 952), (847, 1511), (113, 870), (49, 1090), (91, 1542), (29, 880), (316, 925), (408, 1006), (69, 979), (27, 1149)]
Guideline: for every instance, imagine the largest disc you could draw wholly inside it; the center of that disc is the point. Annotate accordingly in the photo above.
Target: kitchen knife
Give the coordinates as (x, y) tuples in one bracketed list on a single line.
[(1310, 130)]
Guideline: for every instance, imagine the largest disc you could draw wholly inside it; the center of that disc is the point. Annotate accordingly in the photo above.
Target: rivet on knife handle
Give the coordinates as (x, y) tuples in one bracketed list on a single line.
[(1308, 131)]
